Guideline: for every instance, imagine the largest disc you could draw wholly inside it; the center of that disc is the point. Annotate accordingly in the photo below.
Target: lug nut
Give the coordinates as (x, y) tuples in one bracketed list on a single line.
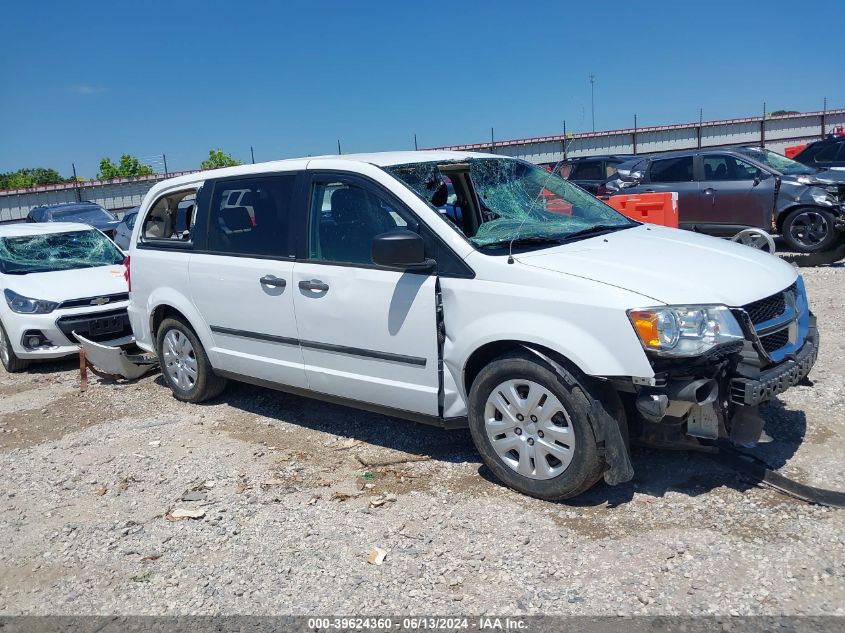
[(540, 434), (533, 418), (518, 431), (519, 417), (530, 441)]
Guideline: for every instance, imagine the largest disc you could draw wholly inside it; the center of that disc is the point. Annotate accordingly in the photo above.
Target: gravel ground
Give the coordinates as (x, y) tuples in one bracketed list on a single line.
[(294, 494)]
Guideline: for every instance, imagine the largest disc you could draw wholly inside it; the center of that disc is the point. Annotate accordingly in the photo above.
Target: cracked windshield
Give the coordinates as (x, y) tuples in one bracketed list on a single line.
[(494, 202), (57, 251)]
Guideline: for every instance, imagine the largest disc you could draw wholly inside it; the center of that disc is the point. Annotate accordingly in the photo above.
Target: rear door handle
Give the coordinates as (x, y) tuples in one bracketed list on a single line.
[(270, 280), (314, 284)]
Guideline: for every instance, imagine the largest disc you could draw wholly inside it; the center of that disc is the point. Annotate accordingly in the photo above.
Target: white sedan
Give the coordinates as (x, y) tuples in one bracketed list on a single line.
[(58, 279)]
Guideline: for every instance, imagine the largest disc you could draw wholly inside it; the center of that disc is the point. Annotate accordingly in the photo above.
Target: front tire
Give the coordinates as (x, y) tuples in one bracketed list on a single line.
[(809, 230), (10, 361), (184, 363), (533, 429)]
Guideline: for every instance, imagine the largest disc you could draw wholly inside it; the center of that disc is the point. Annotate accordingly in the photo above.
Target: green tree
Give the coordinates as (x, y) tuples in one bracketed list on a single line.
[(782, 113), (218, 158), (30, 177), (128, 167)]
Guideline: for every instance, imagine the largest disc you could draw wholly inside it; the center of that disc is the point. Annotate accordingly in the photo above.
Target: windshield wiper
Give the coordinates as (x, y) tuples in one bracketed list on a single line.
[(595, 230), (521, 241)]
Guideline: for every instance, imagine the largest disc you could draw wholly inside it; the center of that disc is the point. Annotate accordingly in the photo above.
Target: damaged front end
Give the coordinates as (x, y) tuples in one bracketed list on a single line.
[(715, 396)]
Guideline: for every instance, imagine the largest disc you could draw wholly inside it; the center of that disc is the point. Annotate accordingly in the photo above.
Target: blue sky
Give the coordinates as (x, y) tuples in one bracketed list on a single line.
[(92, 79)]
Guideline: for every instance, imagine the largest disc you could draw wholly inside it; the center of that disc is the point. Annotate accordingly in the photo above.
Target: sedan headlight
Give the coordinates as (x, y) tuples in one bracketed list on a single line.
[(25, 305), (684, 330), (821, 196)]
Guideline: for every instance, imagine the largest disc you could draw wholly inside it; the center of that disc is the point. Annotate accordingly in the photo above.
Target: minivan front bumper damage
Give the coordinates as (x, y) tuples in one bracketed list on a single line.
[(718, 399)]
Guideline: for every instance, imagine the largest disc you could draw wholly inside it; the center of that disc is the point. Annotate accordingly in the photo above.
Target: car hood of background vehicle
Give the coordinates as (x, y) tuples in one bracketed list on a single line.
[(670, 266), (62, 285)]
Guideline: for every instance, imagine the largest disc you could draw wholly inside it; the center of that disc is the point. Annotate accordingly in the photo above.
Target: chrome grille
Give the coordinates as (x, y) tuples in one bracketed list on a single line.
[(88, 302)]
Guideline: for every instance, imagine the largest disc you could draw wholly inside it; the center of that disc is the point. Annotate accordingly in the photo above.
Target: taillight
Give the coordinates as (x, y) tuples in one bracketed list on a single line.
[(127, 275)]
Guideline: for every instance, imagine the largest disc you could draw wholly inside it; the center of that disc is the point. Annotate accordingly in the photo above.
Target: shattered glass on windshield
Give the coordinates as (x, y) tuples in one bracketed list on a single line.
[(518, 201), (57, 251)]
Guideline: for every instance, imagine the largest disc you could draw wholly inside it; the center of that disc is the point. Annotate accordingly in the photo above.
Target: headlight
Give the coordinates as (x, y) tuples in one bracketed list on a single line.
[(25, 305), (822, 197), (684, 330)]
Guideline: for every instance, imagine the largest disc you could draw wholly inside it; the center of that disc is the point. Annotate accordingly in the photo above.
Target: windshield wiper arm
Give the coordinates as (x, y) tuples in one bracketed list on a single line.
[(598, 228), (520, 241)]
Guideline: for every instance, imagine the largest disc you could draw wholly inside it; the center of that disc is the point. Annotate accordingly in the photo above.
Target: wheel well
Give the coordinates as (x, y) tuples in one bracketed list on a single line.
[(487, 353), (160, 314)]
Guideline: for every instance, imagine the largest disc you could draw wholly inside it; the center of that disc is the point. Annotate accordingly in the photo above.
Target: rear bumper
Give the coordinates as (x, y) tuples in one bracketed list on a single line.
[(771, 382)]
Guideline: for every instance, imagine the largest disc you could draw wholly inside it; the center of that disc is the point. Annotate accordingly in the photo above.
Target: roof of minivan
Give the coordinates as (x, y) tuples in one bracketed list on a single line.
[(25, 229), (380, 159)]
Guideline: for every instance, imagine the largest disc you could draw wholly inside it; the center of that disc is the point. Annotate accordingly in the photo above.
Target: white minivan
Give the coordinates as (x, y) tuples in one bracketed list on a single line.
[(554, 327)]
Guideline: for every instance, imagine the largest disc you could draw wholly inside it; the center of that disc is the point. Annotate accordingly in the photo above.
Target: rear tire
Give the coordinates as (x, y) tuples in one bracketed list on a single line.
[(532, 428), (184, 363), (11, 363), (809, 230)]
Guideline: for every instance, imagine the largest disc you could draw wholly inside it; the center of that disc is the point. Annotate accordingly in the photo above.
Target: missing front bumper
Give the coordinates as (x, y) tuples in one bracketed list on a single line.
[(750, 392)]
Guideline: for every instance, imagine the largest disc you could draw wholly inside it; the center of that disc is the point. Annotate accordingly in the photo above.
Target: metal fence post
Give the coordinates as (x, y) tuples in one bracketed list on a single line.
[(763, 127), (634, 135)]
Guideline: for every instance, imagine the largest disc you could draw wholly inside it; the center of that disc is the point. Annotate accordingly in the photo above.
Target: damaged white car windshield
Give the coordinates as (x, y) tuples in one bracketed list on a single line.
[(57, 251), (516, 201)]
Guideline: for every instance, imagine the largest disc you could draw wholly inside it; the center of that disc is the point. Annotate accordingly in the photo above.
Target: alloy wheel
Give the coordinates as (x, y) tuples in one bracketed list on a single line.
[(809, 228), (529, 429), (180, 361)]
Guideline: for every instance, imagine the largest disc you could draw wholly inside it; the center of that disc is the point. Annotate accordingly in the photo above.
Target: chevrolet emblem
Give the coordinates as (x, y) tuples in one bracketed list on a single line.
[(99, 301)]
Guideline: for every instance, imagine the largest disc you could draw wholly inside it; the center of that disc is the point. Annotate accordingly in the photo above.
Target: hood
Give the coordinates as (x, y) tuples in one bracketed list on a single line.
[(62, 285), (670, 266)]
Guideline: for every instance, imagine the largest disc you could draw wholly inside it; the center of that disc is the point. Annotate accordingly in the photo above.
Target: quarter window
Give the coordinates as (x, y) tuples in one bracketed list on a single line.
[(671, 170), (345, 217), (251, 216)]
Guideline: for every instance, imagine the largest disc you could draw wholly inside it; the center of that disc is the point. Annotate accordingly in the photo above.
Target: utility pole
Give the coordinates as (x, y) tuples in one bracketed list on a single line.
[(564, 139), (252, 153), (76, 183), (415, 143), (593, 99), (634, 137), (824, 116)]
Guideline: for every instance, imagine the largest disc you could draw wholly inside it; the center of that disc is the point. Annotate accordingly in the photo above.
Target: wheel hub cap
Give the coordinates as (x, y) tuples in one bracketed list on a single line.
[(180, 362), (529, 429)]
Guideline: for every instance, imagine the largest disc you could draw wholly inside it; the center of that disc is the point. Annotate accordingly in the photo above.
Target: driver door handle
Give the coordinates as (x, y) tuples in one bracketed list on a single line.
[(270, 280), (314, 284), (709, 191)]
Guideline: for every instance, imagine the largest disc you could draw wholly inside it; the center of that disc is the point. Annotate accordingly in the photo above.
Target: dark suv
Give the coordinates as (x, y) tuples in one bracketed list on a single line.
[(723, 191), (590, 172), (86, 212), (826, 154)]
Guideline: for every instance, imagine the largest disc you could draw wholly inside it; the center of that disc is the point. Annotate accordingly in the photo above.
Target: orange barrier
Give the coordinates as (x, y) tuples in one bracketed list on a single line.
[(792, 152), (653, 208)]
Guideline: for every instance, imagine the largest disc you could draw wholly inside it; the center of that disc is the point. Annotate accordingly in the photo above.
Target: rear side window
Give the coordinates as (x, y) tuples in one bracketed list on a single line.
[(251, 216), (171, 218), (671, 170), (828, 153), (588, 170)]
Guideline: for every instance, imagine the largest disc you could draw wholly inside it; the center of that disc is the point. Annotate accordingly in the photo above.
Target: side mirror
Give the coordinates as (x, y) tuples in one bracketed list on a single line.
[(400, 249), (636, 176)]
